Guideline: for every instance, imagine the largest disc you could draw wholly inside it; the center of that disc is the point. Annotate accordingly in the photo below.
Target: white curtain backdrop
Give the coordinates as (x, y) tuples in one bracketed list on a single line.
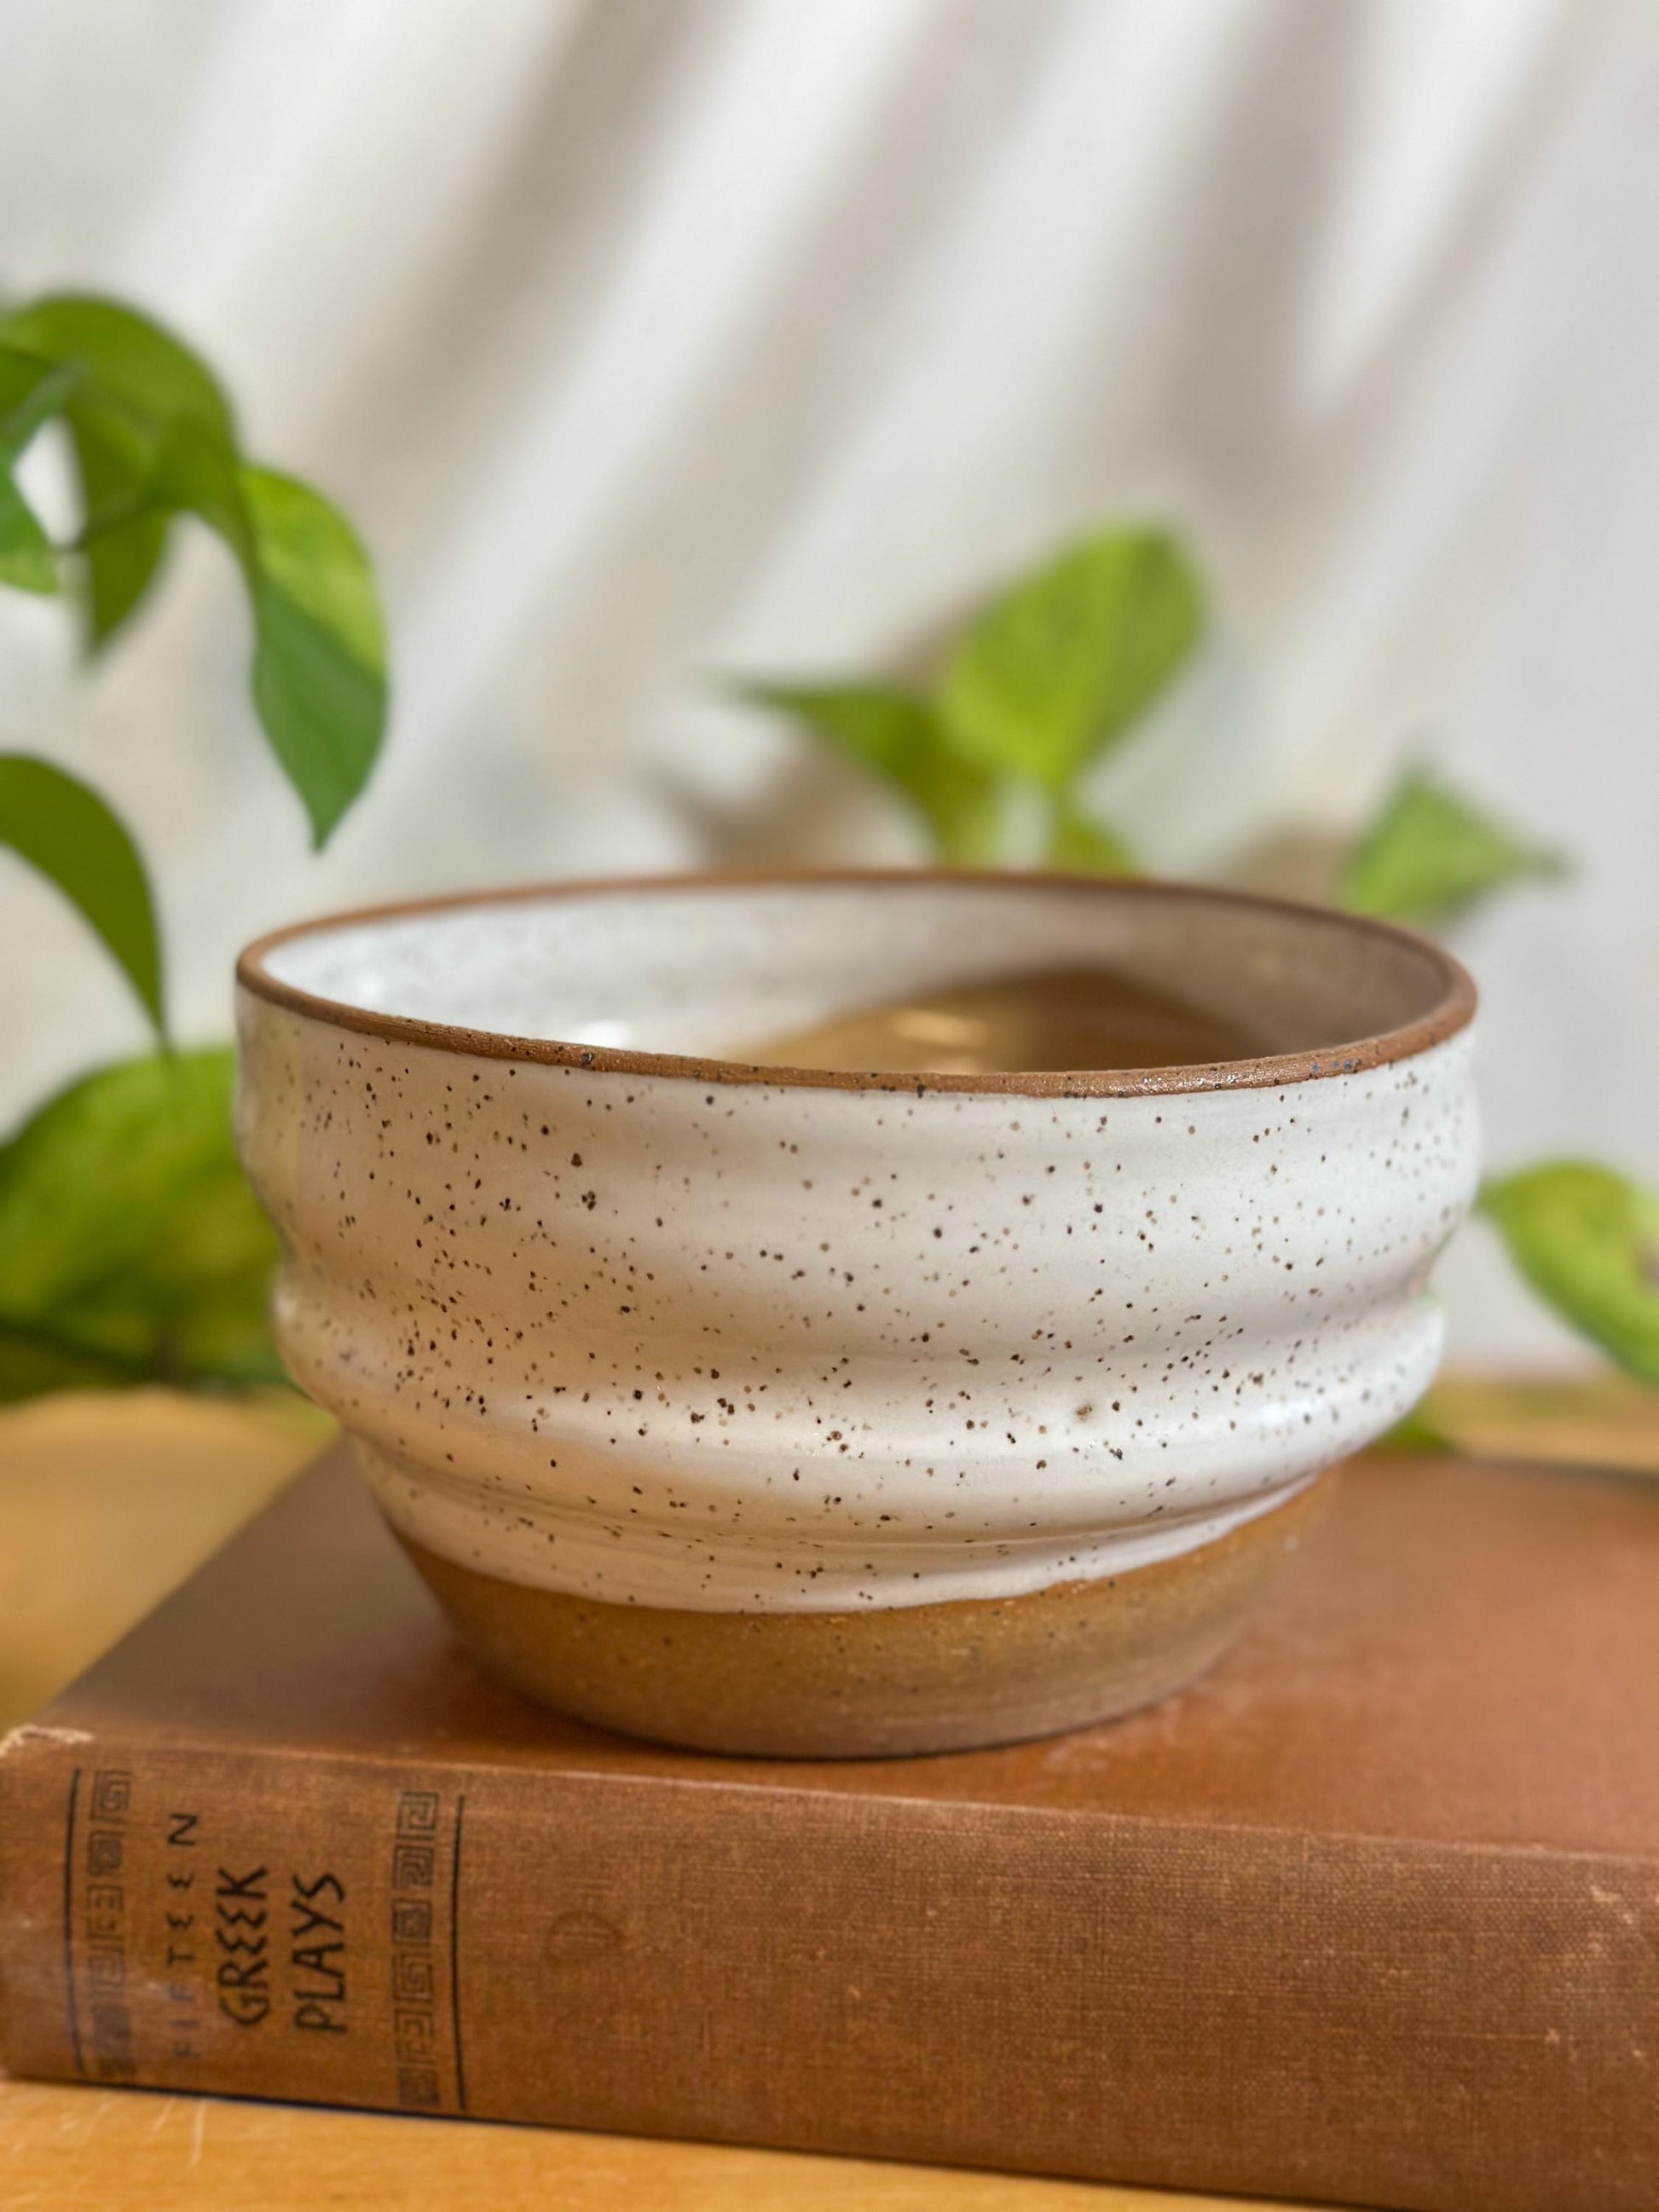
[(651, 339)]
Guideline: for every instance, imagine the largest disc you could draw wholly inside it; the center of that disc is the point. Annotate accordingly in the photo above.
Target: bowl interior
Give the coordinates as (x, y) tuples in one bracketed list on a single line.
[(698, 968)]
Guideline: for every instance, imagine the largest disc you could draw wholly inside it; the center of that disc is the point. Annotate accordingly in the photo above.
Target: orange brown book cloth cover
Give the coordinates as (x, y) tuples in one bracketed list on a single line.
[(1372, 1914)]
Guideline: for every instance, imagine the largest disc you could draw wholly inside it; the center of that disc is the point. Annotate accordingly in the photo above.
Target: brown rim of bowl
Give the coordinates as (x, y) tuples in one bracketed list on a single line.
[(1452, 1012)]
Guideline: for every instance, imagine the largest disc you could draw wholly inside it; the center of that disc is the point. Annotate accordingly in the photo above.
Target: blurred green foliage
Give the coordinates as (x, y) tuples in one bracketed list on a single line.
[(154, 438), (900, 737), (131, 1248), (1058, 669), (1588, 1242), (1041, 684), (1431, 855), (62, 827)]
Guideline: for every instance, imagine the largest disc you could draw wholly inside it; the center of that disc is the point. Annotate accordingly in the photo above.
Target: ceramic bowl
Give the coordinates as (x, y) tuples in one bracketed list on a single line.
[(771, 1410)]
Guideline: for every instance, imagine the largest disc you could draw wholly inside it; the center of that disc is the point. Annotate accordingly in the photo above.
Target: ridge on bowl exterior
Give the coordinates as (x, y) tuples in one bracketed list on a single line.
[(808, 1415)]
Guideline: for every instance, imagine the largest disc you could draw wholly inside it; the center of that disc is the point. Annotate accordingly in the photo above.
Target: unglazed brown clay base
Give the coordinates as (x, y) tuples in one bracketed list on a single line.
[(898, 1679)]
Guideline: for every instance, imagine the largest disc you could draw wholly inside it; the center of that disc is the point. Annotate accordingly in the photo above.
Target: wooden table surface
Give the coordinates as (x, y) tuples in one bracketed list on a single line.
[(106, 1503)]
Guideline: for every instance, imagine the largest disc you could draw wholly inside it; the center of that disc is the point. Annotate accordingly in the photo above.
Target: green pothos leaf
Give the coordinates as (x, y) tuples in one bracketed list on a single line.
[(1587, 1240), (319, 661), (153, 437), (898, 736), (1430, 855), (131, 1248), (1087, 846), (1062, 664), (131, 383), (60, 826)]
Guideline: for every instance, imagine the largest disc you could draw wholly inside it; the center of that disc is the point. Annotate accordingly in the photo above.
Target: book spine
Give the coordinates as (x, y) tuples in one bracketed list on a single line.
[(1446, 2028)]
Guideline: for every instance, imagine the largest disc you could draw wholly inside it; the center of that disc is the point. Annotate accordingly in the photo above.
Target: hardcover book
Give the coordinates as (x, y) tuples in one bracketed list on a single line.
[(1372, 1914)]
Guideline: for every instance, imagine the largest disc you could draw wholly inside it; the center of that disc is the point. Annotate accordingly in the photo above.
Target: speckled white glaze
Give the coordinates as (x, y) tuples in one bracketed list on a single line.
[(698, 1337)]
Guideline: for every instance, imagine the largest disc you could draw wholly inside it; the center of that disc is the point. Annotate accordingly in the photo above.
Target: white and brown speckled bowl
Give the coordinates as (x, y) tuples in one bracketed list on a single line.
[(773, 1410)]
